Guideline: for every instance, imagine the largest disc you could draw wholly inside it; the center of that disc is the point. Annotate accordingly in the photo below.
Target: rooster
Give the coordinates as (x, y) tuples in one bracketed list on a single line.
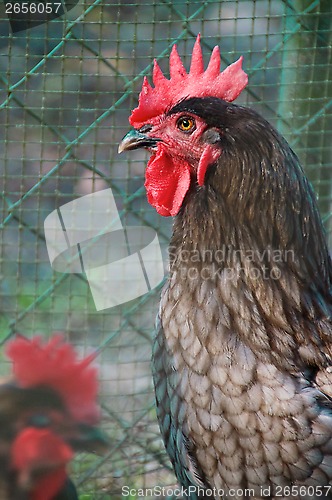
[(242, 356), (48, 410)]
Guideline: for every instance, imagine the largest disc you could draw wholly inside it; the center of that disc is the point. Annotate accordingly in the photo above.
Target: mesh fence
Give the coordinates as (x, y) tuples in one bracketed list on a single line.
[(67, 88)]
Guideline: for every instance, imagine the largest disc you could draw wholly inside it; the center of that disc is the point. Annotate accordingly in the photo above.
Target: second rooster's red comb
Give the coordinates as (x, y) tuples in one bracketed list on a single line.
[(154, 101), (55, 364)]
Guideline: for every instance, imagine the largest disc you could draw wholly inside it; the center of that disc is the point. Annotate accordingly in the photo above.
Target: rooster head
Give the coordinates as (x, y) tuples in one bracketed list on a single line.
[(47, 411), (182, 144)]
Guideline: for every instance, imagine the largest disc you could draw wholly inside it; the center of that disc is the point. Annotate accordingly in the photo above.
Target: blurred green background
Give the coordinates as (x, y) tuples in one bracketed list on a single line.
[(66, 91)]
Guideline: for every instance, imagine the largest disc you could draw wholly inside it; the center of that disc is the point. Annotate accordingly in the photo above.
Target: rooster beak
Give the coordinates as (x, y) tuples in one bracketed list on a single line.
[(136, 139), (89, 438)]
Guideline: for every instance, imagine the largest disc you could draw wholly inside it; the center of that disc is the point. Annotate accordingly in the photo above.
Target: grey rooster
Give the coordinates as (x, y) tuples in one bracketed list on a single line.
[(242, 357)]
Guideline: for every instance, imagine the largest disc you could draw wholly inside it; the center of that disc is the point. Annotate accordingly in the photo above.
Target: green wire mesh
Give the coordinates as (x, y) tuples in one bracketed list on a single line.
[(66, 91)]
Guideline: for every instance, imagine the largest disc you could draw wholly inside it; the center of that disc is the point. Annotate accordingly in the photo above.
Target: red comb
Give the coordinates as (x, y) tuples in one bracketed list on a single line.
[(55, 364), (154, 101)]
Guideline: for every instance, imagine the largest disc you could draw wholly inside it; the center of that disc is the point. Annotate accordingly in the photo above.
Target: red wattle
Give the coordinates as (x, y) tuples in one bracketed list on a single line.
[(49, 485), (34, 449), (209, 156), (167, 182)]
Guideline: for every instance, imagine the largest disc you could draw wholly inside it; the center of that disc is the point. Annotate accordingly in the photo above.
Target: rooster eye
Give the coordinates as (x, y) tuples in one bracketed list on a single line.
[(186, 124), (39, 420)]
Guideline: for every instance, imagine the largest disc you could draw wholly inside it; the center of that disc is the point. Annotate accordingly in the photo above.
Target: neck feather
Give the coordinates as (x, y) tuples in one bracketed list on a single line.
[(274, 284)]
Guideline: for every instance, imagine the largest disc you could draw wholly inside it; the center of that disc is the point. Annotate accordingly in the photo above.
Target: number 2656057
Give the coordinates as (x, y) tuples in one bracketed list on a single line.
[(32, 8)]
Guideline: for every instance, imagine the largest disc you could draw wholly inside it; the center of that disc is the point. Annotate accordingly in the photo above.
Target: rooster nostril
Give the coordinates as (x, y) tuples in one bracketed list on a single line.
[(145, 128)]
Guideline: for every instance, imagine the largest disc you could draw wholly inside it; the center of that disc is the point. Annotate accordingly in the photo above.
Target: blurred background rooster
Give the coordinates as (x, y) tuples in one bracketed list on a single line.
[(48, 410), (242, 357)]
